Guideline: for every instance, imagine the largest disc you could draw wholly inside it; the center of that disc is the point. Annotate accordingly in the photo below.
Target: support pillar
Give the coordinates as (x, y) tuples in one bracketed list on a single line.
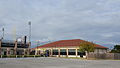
[(28, 50), (35, 52), (8, 51), (76, 52), (86, 54), (38, 52), (51, 52), (15, 48), (67, 52), (24, 51), (59, 52)]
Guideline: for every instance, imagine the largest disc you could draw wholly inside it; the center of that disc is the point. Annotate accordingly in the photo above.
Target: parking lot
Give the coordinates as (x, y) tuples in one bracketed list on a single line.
[(56, 63)]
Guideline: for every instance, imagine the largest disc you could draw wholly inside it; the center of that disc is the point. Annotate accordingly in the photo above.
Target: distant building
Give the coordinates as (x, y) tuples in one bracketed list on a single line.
[(66, 48), (8, 47)]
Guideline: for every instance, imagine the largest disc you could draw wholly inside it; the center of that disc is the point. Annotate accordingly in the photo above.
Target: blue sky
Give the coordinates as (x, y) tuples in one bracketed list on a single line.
[(92, 20)]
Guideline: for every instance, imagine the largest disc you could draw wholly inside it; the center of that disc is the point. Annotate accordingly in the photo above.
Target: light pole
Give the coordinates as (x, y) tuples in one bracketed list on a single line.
[(3, 33), (29, 23)]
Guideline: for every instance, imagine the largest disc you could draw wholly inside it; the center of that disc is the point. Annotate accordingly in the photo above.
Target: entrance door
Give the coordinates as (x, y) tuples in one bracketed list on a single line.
[(47, 53)]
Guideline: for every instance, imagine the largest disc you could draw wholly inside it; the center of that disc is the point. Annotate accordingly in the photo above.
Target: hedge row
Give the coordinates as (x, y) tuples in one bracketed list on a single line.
[(19, 56)]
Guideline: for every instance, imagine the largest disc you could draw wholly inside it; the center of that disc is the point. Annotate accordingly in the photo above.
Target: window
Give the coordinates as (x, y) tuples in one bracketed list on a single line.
[(55, 52), (71, 51), (63, 52)]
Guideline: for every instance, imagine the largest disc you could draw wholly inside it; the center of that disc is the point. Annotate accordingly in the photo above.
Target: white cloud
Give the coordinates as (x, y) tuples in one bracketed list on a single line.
[(107, 35)]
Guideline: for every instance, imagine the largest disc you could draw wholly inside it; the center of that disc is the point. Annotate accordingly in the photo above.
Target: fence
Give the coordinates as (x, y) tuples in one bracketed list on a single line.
[(104, 55)]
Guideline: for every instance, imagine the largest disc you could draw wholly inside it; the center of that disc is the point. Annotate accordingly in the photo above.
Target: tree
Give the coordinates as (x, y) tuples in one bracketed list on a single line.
[(87, 47), (116, 49)]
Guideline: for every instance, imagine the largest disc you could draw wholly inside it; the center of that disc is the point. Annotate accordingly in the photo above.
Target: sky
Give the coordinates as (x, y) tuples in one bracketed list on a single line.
[(96, 21)]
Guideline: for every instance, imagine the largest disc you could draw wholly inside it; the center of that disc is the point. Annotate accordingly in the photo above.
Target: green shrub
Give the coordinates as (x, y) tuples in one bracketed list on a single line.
[(4, 56), (11, 56), (37, 55), (19, 56)]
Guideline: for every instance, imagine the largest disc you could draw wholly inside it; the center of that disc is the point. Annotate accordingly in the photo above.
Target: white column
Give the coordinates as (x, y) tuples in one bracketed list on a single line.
[(59, 52), (76, 52), (8, 50), (15, 48), (24, 51), (35, 52), (67, 52), (51, 52)]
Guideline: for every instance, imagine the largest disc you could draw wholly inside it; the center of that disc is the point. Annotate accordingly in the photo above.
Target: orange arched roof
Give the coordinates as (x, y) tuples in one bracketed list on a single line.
[(67, 43)]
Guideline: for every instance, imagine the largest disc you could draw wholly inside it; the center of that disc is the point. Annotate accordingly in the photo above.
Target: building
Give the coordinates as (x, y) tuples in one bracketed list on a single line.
[(66, 48), (8, 47)]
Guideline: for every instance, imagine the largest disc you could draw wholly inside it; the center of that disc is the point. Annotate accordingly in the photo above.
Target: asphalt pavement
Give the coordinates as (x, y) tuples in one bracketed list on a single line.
[(52, 62)]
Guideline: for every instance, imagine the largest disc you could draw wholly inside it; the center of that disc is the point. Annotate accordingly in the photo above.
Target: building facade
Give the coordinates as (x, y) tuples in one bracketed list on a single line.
[(66, 48), (8, 47)]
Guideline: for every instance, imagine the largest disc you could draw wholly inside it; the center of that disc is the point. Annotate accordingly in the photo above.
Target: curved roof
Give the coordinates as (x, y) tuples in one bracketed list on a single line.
[(67, 43)]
